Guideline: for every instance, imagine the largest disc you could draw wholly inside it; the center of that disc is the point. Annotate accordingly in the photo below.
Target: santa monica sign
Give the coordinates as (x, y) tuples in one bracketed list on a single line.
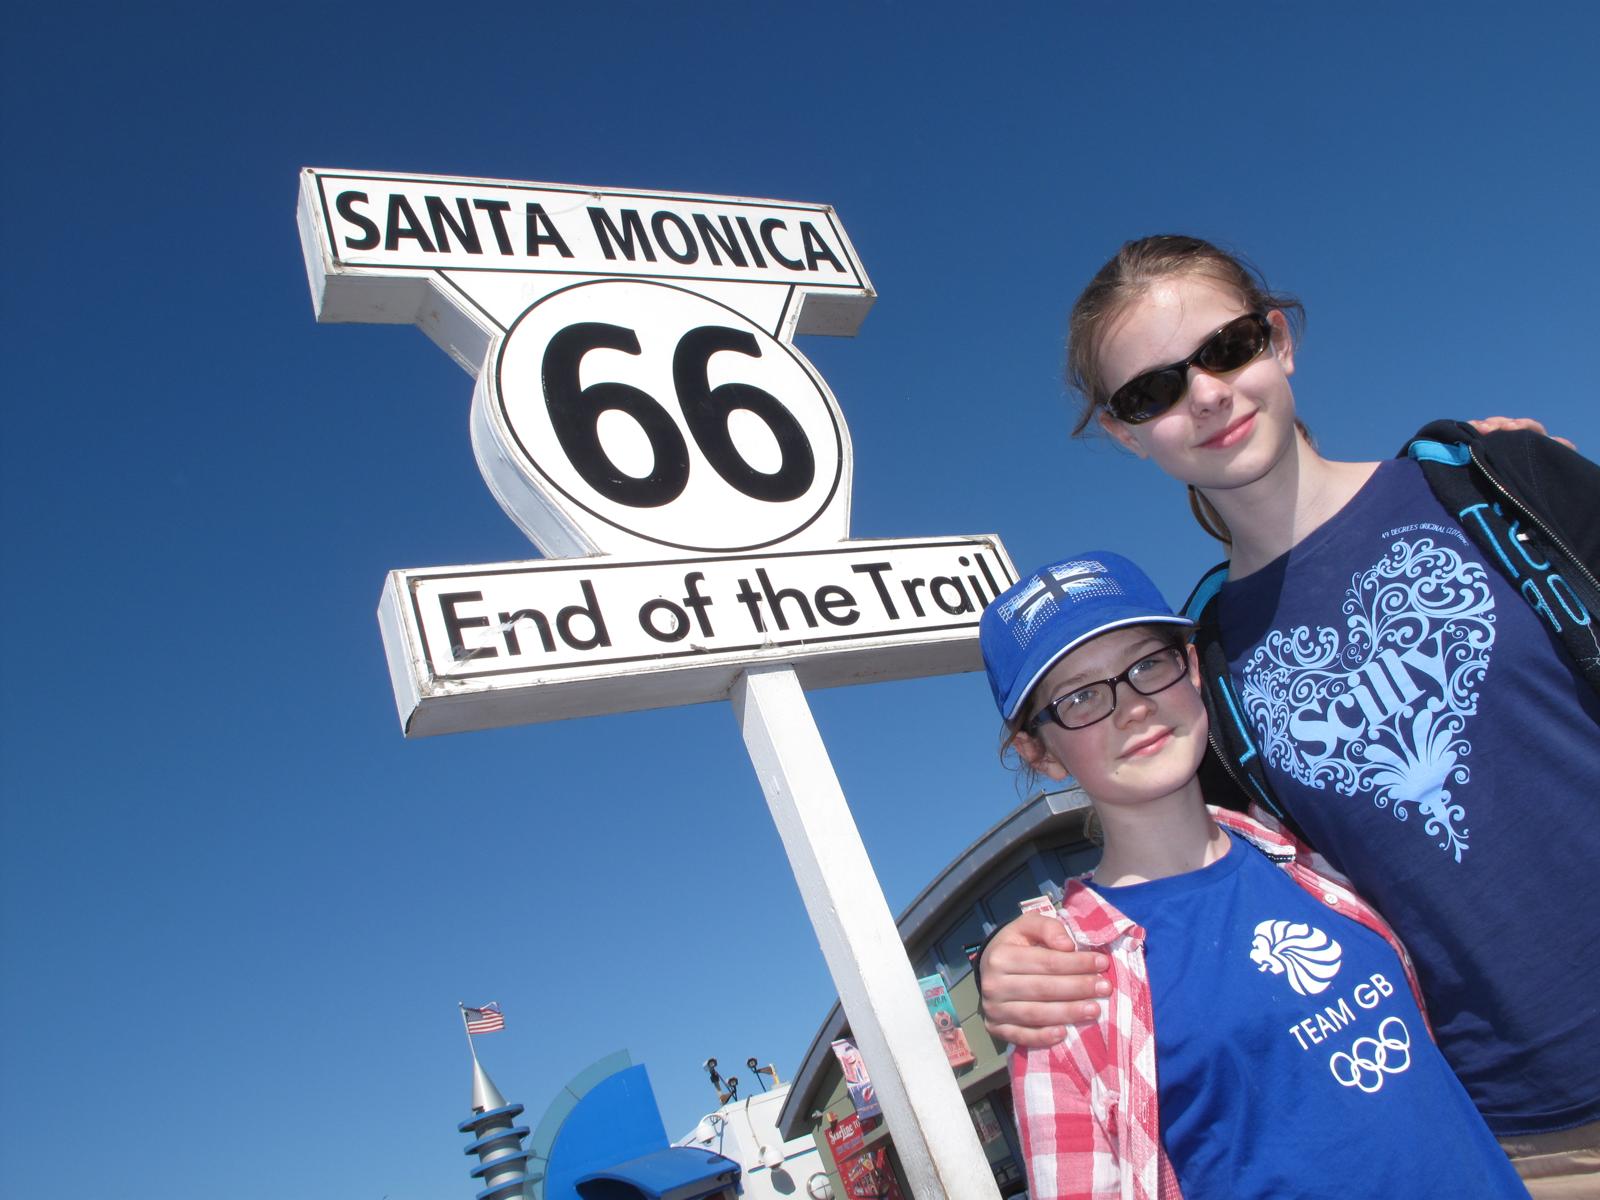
[(642, 414)]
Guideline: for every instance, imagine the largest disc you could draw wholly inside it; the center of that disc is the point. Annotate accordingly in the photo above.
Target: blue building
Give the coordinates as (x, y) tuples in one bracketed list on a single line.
[(601, 1139)]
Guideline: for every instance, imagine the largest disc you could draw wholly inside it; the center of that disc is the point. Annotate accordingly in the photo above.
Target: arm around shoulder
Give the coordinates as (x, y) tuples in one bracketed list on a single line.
[(1033, 982)]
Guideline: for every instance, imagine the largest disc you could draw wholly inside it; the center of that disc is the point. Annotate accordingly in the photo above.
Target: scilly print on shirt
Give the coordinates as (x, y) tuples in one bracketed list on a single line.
[(1383, 705)]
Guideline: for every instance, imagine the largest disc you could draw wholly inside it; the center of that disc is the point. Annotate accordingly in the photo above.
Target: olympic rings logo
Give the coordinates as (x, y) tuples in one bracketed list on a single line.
[(1370, 1059)]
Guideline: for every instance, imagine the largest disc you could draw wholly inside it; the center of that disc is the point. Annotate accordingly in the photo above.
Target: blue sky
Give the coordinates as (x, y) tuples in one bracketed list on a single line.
[(237, 908)]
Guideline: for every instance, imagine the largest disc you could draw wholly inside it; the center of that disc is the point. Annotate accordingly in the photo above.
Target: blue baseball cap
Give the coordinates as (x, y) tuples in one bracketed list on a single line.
[(1033, 624)]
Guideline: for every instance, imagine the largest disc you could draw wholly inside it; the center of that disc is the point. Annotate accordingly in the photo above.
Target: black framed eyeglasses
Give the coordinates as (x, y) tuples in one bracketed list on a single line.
[(1147, 396), (1089, 703)]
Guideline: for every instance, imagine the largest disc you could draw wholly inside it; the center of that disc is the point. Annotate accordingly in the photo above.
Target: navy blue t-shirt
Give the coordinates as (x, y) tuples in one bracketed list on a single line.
[(1291, 1059), (1422, 724)]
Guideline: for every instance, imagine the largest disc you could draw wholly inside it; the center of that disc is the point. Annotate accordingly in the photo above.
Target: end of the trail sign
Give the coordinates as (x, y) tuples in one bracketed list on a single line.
[(472, 647), (642, 414)]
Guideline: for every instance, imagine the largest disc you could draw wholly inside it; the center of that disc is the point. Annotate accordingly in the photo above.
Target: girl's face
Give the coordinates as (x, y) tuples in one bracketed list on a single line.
[(1149, 747), (1226, 431)]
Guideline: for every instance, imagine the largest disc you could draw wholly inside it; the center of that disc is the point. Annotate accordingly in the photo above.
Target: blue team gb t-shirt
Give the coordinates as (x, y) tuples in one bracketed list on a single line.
[(1421, 722), (1291, 1059)]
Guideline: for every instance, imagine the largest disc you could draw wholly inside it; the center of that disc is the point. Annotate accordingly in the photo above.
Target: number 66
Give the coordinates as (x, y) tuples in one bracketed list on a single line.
[(575, 413)]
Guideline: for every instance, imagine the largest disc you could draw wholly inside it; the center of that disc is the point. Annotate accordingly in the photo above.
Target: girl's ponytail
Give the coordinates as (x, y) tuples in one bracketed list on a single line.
[(1208, 517)]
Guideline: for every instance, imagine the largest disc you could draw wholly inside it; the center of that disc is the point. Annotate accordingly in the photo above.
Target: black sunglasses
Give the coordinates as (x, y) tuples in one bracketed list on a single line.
[(1149, 395)]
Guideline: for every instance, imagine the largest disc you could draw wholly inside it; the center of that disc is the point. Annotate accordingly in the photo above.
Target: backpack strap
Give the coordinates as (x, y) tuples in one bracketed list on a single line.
[(1232, 773), (1518, 541)]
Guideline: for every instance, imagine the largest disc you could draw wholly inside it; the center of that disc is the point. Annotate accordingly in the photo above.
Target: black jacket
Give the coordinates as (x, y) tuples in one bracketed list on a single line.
[(1529, 503)]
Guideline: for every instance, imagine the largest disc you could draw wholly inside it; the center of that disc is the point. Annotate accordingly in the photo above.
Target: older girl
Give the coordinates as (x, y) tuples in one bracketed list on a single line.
[(1400, 659)]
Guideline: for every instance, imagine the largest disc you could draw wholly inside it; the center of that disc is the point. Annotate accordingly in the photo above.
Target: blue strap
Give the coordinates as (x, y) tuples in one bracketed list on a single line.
[(1458, 454), (1238, 721), (1204, 591)]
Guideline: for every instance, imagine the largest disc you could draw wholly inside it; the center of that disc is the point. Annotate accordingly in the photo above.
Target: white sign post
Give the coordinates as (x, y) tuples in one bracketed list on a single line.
[(642, 415)]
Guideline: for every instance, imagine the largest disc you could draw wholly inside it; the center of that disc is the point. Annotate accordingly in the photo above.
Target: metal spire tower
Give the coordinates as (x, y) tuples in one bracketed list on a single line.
[(497, 1140)]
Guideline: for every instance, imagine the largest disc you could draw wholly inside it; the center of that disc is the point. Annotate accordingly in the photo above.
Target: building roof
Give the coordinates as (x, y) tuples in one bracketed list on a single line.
[(676, 1173)]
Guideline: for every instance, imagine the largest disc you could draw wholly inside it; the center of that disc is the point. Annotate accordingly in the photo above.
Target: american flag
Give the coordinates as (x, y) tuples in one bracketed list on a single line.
[(488, 1019)]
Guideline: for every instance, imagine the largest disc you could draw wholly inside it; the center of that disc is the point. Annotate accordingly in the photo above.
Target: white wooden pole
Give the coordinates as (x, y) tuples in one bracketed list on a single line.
[(932, 1128)]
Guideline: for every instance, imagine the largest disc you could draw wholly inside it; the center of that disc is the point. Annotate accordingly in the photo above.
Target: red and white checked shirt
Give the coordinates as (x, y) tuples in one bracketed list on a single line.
[(1087, 1108)]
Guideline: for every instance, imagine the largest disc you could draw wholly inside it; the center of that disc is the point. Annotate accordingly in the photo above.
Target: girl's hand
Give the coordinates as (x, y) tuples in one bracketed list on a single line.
[(1506, 424), (1035, 982)]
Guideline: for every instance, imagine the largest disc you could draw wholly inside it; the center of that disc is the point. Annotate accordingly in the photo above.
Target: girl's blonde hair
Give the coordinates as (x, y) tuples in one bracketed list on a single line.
[(1129, 274)]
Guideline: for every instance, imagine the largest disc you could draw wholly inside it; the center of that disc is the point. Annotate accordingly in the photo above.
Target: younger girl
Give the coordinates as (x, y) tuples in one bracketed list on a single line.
[(1264, 1037)]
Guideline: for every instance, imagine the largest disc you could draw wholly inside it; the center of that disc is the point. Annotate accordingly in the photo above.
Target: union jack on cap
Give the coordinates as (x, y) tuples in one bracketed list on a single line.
[(1038, 620)]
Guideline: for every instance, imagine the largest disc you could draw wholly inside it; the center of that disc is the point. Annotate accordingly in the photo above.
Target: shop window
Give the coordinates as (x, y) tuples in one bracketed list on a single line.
[(951, 949), (1002, 901)]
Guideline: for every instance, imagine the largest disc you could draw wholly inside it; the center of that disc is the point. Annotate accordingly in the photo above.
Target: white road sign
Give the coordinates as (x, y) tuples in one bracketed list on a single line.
[(642, 414)]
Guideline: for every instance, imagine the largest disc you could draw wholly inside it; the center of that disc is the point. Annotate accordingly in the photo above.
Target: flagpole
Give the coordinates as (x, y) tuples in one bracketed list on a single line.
[(470, 1046)]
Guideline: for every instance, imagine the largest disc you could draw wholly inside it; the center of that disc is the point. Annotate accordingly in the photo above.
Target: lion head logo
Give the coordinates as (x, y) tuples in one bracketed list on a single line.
[(1303, 954)]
